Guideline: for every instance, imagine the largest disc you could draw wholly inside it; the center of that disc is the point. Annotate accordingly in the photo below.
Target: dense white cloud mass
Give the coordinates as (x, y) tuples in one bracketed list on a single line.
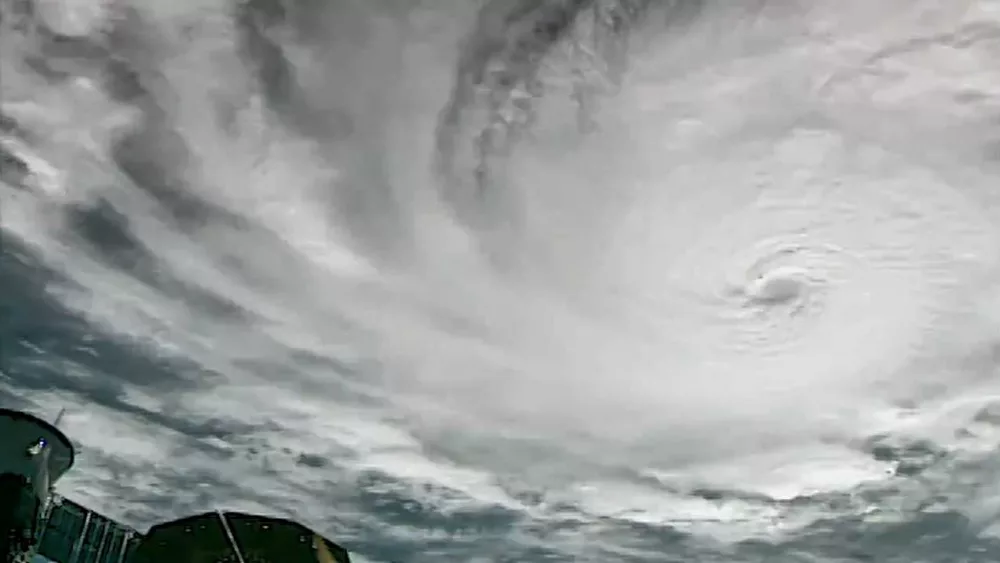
[(708, 283)]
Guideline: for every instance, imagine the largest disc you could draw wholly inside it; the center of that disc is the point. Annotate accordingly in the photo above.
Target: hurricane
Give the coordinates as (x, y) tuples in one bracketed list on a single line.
[(552, 280)]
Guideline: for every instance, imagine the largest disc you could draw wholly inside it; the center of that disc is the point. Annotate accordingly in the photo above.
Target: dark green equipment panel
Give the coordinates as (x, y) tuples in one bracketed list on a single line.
[(215, 537)]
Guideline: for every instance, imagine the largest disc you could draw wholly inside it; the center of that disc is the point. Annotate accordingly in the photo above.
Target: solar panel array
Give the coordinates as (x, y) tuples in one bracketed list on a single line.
[(76, 534)]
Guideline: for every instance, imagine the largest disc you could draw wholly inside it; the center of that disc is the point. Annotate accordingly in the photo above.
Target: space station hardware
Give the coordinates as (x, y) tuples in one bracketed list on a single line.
[(34, 454), (236, 537), (38, 526)]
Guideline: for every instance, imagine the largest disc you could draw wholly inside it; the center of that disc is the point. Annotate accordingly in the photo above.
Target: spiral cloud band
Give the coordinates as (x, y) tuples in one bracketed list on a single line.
[(587, 280)]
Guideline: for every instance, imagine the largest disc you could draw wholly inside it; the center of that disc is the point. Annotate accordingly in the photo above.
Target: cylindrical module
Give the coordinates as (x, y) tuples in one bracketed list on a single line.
[(34, 454)]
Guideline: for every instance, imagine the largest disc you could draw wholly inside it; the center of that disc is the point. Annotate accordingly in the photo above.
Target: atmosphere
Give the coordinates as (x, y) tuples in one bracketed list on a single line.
[(671, 281)]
